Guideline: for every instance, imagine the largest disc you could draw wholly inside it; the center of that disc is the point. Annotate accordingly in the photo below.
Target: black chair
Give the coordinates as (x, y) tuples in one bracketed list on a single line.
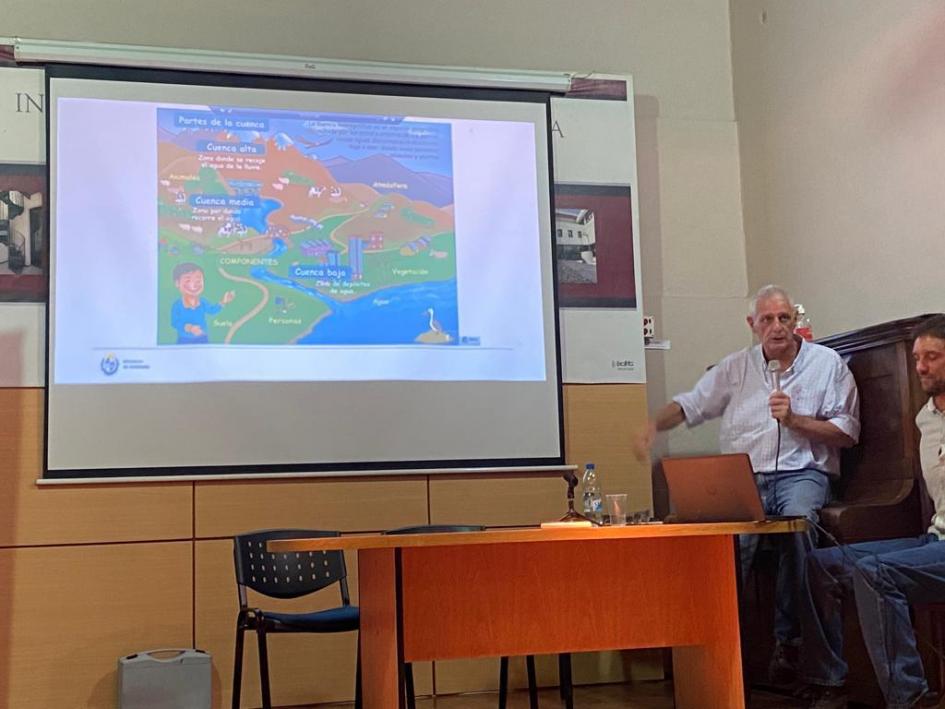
[(287, 575), (564, 661)]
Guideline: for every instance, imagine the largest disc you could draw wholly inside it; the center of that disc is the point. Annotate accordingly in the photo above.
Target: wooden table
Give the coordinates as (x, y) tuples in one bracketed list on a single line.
[(546, 591)]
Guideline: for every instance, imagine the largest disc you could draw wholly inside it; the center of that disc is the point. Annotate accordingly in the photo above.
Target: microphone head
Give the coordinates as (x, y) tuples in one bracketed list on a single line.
[(774, 369)]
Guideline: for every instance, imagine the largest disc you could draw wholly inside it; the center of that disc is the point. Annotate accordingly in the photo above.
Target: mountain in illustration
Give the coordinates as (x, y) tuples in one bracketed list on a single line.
[(188, 139), (443, 182), (335, 161), (378, 171)]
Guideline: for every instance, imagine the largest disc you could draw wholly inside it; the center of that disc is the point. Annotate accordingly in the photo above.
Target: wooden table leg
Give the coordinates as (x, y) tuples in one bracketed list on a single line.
[(709, 675), (380, 631)]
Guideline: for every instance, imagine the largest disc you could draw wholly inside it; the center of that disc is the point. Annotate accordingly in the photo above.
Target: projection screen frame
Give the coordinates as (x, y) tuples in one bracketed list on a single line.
[(53, 51), (541, 466)]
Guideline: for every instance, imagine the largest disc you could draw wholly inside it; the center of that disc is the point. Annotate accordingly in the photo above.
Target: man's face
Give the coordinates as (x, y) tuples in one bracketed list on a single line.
[(191, 283), (929, 355), (773, 325)]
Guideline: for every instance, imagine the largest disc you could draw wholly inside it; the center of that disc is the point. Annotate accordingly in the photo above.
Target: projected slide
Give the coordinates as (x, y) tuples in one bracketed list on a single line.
[(290, 228), (223, 240)]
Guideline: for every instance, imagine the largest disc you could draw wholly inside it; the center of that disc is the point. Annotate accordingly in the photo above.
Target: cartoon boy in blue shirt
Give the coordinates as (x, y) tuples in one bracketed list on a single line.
[(189, 313)]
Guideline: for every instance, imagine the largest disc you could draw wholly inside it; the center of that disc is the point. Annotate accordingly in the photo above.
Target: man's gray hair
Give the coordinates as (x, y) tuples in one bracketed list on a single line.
[(766, 293)]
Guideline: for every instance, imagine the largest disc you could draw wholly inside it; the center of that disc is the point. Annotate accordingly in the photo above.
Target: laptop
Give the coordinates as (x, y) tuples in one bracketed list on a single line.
[(713, 488)]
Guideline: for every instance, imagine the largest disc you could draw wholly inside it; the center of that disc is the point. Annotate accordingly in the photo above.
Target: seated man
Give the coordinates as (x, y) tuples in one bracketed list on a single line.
[(790, 405), (884, 576)]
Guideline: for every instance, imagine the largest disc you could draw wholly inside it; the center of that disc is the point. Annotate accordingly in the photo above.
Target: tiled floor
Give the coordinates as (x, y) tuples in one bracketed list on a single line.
[(639, 695)]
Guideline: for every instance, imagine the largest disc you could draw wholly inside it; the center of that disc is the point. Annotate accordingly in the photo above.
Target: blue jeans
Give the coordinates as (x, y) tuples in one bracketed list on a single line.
[(885, 577), (788, 492)]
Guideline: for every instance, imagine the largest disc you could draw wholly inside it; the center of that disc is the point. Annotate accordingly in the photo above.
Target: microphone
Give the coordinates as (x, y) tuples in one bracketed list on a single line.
[(573, 515), (774, 368), (572, 481)]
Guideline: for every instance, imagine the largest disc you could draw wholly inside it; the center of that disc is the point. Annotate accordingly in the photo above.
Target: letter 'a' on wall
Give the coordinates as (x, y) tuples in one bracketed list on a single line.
[(255, 274)]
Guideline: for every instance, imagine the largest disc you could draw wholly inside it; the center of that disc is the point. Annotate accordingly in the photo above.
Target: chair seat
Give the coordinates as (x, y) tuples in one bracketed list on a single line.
[(333, 620)]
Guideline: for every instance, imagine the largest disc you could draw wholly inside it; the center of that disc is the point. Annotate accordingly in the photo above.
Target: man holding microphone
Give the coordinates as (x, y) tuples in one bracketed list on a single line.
[(790, 405)]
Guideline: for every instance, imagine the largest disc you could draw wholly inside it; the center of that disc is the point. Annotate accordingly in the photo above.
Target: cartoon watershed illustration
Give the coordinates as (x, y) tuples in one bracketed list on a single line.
[(284, 228)]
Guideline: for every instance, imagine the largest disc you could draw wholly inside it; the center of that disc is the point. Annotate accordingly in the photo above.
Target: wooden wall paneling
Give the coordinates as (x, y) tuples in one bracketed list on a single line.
[(304, 669), (68, 613), (482, 674), (618, 666), (600, 422), (32, 515), (497, 500), (223, 509)]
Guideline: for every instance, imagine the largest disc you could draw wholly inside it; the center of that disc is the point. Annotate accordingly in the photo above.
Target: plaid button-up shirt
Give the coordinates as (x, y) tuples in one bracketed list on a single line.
[(820, 385)]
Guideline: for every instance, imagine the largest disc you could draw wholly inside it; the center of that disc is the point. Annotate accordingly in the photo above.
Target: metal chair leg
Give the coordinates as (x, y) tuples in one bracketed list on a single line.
[(503, 681), (263, 669), (532, 682), (358, 699), (564, 679), (408, 686), (238, 665)]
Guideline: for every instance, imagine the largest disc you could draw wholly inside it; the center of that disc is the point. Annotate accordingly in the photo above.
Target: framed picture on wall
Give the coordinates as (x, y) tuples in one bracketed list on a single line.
[(594, 246), (23, 206)]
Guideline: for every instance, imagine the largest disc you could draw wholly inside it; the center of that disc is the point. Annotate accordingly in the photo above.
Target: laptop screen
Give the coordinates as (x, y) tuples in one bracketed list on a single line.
[(713, 488)]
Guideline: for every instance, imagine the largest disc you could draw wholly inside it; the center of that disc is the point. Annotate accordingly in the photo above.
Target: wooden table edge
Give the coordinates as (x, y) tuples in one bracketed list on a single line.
[(535, 534)]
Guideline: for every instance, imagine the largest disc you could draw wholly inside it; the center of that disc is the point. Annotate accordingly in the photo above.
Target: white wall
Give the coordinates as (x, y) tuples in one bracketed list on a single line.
[(694, 273), (841, 113)]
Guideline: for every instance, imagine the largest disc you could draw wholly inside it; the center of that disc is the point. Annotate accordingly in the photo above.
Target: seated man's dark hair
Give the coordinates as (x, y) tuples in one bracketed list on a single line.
[(931, 327)]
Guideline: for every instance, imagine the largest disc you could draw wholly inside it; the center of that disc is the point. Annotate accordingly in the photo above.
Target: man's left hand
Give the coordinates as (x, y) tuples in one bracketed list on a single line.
[(780, 405)]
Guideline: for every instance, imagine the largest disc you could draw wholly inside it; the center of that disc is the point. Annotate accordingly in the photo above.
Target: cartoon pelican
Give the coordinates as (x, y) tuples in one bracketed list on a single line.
[(434, 323)]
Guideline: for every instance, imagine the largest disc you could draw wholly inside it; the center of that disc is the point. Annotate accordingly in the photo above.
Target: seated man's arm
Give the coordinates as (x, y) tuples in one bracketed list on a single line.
[(839, 422), (817, 431), (707, 400), (666, 418)]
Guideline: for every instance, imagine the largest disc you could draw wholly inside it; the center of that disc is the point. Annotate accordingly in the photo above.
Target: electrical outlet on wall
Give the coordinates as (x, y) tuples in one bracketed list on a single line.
[(648, 328)]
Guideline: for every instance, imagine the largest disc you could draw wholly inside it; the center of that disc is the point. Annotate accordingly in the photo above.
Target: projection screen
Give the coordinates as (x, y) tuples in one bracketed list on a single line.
[(256, 274)]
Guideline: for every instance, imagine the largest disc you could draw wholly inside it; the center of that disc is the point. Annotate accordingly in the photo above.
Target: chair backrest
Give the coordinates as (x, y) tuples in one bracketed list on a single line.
[(435, 528), (286, 574)]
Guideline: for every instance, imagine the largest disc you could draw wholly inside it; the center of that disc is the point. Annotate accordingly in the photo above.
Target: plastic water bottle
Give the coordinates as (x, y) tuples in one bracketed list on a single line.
[(803, 327), (592, 497)]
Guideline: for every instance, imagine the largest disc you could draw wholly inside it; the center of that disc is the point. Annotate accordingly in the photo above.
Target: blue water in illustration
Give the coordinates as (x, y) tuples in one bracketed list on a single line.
[(399, 321), (391, 316), (256, 217)]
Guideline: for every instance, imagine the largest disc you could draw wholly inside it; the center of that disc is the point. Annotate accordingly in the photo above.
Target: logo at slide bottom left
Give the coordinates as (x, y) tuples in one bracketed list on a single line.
[(109, 364)]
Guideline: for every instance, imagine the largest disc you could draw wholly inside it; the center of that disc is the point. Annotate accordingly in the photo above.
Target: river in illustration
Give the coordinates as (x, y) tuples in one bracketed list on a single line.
[(390, 316)]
